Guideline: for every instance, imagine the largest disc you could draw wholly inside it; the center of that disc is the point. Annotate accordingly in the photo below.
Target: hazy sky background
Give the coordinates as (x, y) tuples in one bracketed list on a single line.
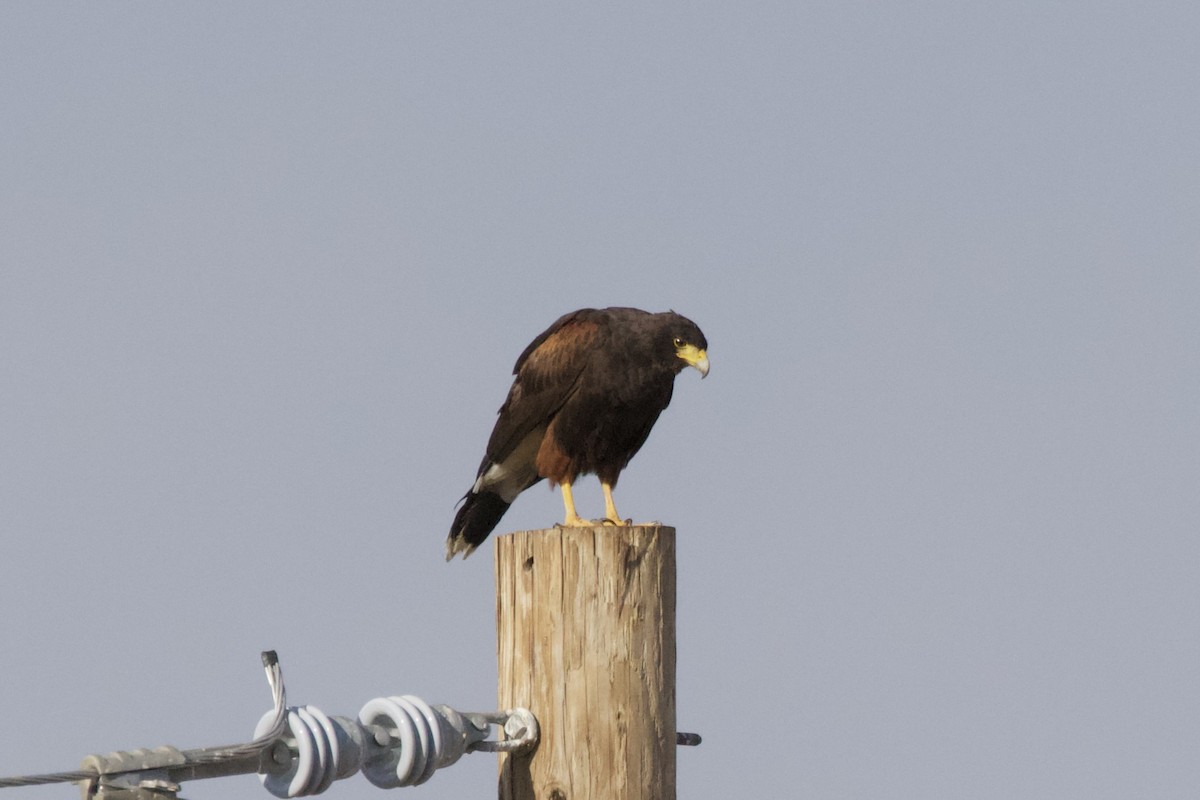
[(265, 269)]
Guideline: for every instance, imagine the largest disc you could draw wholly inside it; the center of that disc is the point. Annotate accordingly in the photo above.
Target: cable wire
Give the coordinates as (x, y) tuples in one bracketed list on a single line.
[(214, 755), (232, 752)]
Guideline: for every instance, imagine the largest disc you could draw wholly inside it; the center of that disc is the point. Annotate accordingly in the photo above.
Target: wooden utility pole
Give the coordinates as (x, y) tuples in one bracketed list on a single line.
[(585, 619)]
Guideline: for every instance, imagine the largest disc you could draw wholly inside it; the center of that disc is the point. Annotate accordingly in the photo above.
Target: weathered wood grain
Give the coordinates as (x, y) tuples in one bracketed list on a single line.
[(585, 620)]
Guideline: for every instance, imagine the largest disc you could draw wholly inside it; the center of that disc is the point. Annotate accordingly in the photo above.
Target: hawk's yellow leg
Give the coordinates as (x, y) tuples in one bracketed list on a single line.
[(571, 518), (611, 517)]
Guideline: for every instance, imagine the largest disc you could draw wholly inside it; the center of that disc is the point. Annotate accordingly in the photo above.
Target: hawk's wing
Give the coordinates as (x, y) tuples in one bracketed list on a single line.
[(547, 374)]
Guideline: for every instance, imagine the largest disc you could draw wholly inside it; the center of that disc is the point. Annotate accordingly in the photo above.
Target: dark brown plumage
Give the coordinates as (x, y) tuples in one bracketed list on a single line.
[(586, 394)]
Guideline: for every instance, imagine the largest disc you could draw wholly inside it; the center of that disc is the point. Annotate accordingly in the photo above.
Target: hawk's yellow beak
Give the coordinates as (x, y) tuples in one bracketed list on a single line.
[(695, 357)]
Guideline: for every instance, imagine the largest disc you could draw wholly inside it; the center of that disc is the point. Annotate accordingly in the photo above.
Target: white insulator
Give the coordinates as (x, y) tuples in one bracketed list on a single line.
[(397, 765), (322, 731), (325, 749), (429, 734), (292, 781), (396, 741), (424, 739)]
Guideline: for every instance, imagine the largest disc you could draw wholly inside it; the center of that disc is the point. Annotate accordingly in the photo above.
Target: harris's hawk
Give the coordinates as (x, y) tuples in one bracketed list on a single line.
[(586, 394)]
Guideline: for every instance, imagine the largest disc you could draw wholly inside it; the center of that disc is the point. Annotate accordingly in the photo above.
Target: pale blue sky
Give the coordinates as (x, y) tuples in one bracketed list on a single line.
[(264, 271)]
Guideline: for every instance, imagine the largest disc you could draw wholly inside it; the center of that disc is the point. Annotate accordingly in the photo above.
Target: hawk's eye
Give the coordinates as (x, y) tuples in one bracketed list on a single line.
[(678, 342)]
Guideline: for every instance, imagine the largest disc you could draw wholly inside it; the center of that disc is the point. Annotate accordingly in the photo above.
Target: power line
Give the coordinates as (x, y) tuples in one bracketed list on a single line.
[(299, 750)]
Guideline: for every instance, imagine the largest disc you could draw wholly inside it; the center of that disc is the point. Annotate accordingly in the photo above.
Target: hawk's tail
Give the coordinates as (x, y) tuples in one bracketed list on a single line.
[(480, 513)]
